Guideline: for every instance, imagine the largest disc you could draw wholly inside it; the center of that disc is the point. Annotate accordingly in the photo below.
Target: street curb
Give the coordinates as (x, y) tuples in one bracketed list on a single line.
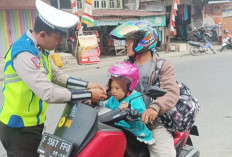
[(105, 61)]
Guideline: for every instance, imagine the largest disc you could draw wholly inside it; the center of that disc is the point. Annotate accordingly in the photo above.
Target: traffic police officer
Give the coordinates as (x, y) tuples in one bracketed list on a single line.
[(28, 87)]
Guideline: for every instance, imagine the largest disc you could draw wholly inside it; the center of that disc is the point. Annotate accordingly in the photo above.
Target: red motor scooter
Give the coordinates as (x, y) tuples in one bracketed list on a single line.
[(82, 133)]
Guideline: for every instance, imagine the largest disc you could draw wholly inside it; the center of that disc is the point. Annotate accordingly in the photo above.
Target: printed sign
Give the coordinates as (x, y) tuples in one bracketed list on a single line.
[(227, 10), (88, 50), (87, 40)]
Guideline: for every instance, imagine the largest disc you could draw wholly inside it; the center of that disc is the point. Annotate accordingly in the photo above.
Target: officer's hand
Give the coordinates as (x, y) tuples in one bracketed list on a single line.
[(95, 85), (98, 94), (149, 115)]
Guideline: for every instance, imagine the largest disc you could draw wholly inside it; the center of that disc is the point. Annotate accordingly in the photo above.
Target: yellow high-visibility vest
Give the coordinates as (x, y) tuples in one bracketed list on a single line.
[(21, 107)]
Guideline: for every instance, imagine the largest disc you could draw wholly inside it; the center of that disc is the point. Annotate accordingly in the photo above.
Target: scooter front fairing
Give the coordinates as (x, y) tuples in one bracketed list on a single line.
[(79, 127)]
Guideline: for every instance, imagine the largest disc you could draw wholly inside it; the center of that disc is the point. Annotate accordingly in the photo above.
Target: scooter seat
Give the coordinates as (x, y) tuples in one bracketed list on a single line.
[(194, 43)]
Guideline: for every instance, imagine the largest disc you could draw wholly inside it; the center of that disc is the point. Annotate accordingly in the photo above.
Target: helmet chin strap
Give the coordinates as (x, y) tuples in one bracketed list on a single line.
[(128, 89), (128, 94), (133, 58), (138, 37)]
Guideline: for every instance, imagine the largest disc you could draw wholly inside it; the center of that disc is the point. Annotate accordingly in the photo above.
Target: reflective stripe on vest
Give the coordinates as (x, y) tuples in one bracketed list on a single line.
[(21, 107)]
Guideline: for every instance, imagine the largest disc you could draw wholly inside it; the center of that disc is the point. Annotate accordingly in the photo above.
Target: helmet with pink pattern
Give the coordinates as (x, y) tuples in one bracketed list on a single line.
[(126, 70)]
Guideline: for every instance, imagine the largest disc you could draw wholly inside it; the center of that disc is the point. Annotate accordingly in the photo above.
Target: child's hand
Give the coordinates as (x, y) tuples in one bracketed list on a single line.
[(123, 105)]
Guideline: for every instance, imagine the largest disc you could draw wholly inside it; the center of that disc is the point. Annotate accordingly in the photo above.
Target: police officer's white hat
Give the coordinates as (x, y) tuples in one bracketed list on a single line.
[(55, 18)]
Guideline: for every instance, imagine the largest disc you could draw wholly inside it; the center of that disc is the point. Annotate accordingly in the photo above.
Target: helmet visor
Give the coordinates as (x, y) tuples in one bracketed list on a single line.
[(128, 29), (124, 30)]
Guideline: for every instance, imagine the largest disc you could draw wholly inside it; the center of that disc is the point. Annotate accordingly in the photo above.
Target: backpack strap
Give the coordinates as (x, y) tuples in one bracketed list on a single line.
[(158, 68)]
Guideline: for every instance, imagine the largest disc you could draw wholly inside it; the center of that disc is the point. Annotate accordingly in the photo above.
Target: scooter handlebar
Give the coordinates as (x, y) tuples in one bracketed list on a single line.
[(135, 114)]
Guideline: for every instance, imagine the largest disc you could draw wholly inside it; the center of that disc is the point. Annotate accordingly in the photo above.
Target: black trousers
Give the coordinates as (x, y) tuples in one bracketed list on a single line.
[(21, 142)]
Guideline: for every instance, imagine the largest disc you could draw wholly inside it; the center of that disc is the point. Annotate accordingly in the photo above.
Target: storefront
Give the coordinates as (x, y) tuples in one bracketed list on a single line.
[(227, 17), (105, 21), (219, 17), (16, 17), (13, 24), (182, 21)]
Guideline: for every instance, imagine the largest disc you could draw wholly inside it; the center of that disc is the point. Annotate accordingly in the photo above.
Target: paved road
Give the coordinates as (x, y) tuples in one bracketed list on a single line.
[(209, 77)]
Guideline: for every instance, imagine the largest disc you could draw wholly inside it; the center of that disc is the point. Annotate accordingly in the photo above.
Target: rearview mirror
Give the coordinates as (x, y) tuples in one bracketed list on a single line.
[(154, 92)]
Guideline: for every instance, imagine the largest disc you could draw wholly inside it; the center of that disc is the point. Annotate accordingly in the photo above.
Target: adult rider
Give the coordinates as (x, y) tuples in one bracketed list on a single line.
[(141, 39)]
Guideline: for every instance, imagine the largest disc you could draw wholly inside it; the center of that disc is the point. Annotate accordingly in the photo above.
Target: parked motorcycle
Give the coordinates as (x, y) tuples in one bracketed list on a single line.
[(81, 132), (211, 30), (197, 35), (197, 48), (226, 42)]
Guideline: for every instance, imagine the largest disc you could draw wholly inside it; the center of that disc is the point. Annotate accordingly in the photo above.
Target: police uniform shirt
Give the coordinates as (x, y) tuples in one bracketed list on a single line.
[(36, 77)]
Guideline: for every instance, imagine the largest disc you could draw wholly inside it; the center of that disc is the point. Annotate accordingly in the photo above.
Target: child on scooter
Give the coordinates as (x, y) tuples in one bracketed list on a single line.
[(124, 78)]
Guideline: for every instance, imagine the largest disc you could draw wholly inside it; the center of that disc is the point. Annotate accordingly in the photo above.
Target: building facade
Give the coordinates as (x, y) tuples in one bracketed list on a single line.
[(218, 15), (18, 16)]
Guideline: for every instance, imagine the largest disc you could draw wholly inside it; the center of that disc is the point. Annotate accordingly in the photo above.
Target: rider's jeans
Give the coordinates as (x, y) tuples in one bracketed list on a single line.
[(164, 142)]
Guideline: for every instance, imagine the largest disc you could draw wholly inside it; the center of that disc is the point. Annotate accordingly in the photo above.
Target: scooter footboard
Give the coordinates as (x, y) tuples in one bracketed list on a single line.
[(189, 151), (193, 43)]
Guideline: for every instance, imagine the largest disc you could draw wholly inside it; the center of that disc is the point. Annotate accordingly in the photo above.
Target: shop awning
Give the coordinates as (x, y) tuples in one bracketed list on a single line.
[(125, 13), (114, 17)]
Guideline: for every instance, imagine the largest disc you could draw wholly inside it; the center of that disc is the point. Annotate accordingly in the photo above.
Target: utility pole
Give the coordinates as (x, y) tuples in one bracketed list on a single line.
[(58, 4), (169, 29)]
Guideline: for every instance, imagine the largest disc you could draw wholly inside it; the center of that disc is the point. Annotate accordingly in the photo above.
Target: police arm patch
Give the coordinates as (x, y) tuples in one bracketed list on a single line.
[(36, 62)]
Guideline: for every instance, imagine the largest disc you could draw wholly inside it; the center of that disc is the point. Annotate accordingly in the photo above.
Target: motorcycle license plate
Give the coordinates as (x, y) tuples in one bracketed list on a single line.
[(53, 146)]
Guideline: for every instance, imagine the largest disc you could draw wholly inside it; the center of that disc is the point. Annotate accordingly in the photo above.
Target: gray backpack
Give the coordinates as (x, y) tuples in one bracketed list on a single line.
[(182, 116)]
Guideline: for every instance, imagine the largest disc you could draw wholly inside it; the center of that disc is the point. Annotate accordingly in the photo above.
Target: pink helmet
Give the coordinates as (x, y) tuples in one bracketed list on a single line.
[(126, 70)]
